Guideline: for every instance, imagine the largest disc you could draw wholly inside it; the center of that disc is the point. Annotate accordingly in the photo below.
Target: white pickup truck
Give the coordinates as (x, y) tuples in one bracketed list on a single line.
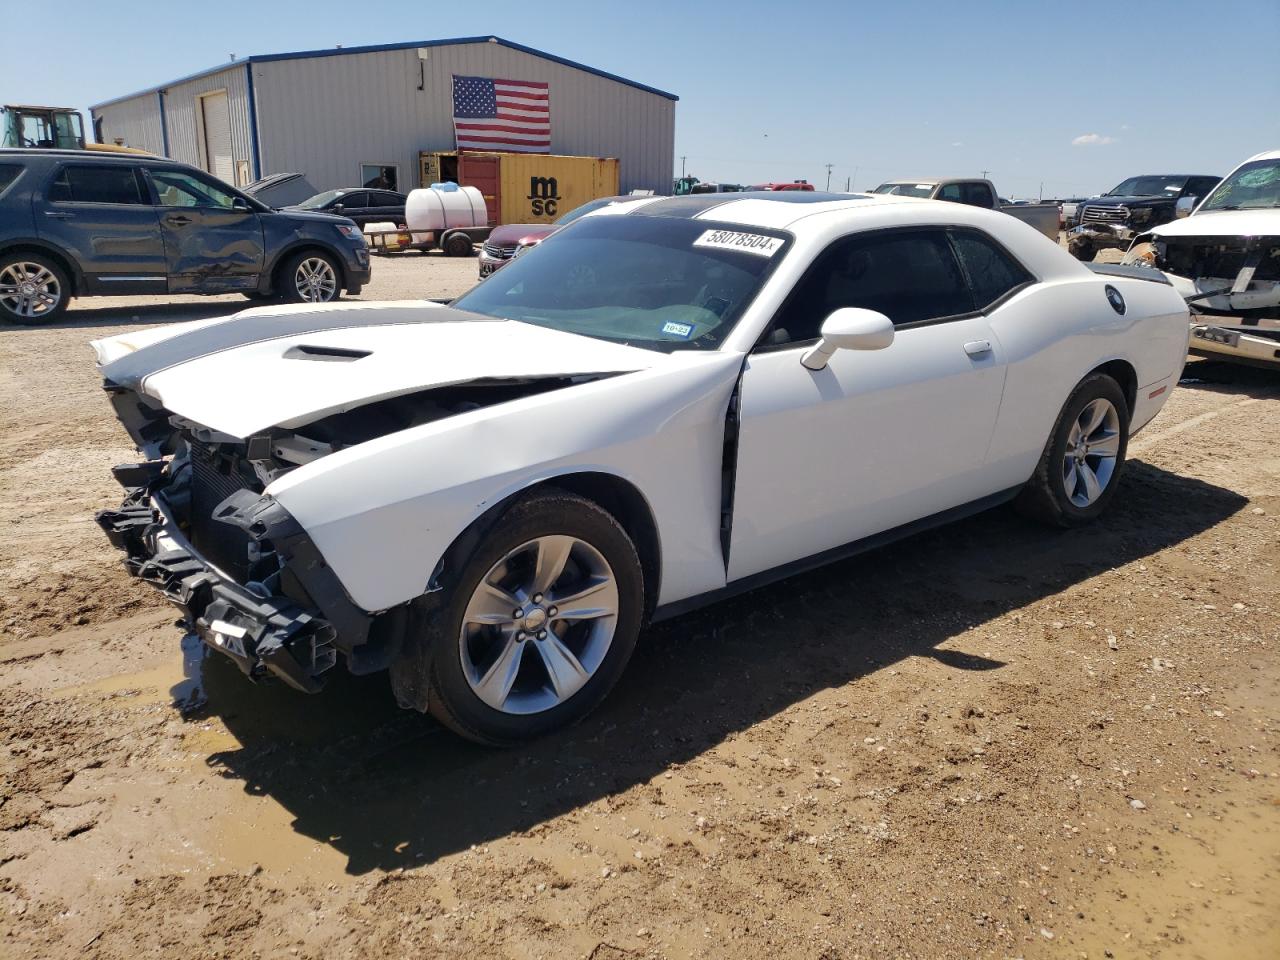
[(977, 193)]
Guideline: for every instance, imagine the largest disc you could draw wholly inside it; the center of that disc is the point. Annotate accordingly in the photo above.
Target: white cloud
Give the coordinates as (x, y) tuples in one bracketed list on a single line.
[(958, 143), (1092, 140)]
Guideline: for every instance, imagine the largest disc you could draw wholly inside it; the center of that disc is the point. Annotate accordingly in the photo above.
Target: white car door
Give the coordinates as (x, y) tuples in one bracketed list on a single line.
[(877, 439)]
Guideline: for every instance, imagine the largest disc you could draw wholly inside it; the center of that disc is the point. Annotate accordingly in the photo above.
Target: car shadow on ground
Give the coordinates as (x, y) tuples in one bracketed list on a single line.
[(389, 788), (100, 312)]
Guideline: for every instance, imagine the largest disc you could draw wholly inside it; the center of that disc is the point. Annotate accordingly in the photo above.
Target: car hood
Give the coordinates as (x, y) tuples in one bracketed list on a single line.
[(1129, 201), (1223, 223), (289, 366), (311, 216), (509, 234)]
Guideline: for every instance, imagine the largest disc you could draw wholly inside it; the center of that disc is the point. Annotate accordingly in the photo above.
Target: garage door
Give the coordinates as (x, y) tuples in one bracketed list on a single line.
[(217, 137)]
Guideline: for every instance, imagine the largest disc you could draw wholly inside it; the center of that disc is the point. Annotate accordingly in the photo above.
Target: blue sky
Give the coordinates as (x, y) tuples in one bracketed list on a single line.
[(773, 91)]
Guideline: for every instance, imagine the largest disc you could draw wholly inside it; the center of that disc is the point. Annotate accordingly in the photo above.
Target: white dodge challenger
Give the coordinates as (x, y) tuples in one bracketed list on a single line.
[(667, 403)]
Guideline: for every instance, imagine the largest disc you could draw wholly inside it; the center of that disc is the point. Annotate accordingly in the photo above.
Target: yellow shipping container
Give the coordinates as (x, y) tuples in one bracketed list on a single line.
[(525, 187)]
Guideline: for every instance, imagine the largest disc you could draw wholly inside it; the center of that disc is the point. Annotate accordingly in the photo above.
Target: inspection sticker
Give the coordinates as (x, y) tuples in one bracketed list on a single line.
[(756, 243), (682, 330)]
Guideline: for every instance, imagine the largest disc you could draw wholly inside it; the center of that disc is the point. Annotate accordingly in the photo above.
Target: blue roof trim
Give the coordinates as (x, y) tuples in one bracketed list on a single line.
[(382, 48)]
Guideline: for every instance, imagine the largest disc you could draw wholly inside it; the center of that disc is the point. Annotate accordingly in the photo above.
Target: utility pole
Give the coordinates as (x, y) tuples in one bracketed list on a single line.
[(829, 166), (855, 175), (984, 174), (847, 181), (682, 160)]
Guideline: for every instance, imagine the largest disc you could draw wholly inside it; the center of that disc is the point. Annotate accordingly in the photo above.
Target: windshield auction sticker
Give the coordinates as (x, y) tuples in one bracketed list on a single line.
[(756, 243)]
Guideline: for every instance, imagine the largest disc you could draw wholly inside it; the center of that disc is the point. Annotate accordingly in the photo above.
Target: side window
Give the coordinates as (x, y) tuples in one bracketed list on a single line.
[(978, 195), (8, 174), (385, 200), (176, 188), (909, 276), (1200, 187), (352, 201), (950, 192), (991, 272), (104, 184)]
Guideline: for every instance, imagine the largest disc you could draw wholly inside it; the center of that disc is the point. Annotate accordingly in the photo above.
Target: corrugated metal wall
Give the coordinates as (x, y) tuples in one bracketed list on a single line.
[(325, 116), (183, 115), (136, 121)]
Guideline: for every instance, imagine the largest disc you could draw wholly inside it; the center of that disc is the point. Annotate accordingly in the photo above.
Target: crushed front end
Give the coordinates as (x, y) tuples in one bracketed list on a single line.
[(196, 525)]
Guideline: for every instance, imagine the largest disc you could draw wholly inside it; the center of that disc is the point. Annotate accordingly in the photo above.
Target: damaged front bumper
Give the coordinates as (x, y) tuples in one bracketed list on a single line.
[(266, 634), (1100, 235)]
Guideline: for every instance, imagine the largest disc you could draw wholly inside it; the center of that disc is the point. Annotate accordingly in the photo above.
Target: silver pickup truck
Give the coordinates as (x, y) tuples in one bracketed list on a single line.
[(977, 193)]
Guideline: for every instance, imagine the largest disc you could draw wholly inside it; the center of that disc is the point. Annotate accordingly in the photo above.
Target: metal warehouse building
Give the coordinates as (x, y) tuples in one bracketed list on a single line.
[(345, 117)]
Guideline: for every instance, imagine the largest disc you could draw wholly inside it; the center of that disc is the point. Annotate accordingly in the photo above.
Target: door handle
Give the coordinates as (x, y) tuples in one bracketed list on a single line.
[(59, 215), (177, 219), (977, 348)]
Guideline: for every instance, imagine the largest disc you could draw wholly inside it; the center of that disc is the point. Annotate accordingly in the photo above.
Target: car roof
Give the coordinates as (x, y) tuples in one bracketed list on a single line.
[(90, 155), (763, 208)]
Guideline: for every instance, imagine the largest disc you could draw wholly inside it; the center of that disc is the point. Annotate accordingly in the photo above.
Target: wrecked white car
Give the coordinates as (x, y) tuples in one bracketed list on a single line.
[(666, 403), (1225, 260)]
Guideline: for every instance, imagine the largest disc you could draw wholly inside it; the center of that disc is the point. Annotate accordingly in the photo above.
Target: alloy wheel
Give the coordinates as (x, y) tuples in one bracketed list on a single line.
[(539, 624), (1093, 445), (29, 290), (315, 280)]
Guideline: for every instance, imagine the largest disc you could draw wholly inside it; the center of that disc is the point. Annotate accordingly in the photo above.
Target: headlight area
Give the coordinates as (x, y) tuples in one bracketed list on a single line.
[(351, 232), (246, 576)]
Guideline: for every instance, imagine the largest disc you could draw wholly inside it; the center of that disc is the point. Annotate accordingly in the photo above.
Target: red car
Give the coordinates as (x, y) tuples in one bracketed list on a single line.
[(793, 185), (505, 240)]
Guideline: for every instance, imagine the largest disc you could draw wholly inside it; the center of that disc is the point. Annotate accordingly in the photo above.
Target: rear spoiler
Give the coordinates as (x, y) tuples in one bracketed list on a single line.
[(1129, 271)]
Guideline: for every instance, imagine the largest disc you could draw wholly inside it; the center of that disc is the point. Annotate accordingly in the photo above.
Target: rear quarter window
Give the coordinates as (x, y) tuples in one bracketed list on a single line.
[(991, 272), (9, 173)]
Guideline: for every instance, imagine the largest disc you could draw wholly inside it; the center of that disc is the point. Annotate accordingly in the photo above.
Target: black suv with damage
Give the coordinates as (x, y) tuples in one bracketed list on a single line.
[(1112, 220), (77, 224)]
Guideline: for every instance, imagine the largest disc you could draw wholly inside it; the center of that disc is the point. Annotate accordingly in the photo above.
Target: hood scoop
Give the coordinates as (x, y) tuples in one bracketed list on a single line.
[(307, 351)]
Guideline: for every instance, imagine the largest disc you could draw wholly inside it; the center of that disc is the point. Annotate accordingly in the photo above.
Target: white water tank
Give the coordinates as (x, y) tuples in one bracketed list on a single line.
[(443, 206)]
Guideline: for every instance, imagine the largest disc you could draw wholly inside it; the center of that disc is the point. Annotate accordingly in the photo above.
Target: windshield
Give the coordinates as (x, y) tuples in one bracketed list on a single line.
[(1148, 187), (319, 200), (922, 190), (1254, 186), (653, 282), (587, 207)]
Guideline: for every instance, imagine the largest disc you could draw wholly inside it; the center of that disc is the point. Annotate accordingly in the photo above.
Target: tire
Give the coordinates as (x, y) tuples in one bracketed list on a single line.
[(1058, 492), (311, 276), (457, 245), (1084, 252), (492, 688), (33, 289)]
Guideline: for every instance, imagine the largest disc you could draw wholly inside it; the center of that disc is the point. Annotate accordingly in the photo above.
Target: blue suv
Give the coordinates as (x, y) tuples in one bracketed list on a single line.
[(78, 224)]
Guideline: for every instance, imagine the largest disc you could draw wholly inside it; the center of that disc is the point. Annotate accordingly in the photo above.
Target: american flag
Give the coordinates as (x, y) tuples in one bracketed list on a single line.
[(501, 114)]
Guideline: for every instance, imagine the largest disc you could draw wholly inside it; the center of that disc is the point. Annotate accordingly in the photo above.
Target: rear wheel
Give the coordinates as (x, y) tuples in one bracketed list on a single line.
[(539, 625), (309, 277), (1081, 465), (33, 289)]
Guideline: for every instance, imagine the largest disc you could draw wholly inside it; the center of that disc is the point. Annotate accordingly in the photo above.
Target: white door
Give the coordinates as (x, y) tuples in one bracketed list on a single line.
[(216, 115), (879, 438)]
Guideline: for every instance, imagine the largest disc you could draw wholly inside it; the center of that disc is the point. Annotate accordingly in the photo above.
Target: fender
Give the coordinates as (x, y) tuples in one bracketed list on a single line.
[(36, 244)]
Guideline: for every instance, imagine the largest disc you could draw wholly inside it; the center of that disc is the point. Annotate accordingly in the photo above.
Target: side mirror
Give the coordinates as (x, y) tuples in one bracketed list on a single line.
[(1185, 205), (849, 328), (337, 208), (239, 203)]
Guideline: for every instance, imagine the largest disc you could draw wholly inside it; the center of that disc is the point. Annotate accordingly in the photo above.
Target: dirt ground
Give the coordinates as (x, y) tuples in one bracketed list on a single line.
[(993, 740)]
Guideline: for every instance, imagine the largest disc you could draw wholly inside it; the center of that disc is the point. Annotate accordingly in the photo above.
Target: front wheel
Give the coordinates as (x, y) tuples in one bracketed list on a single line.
[(457, 245), (540, 622), (1082, 461), (309, 277)]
